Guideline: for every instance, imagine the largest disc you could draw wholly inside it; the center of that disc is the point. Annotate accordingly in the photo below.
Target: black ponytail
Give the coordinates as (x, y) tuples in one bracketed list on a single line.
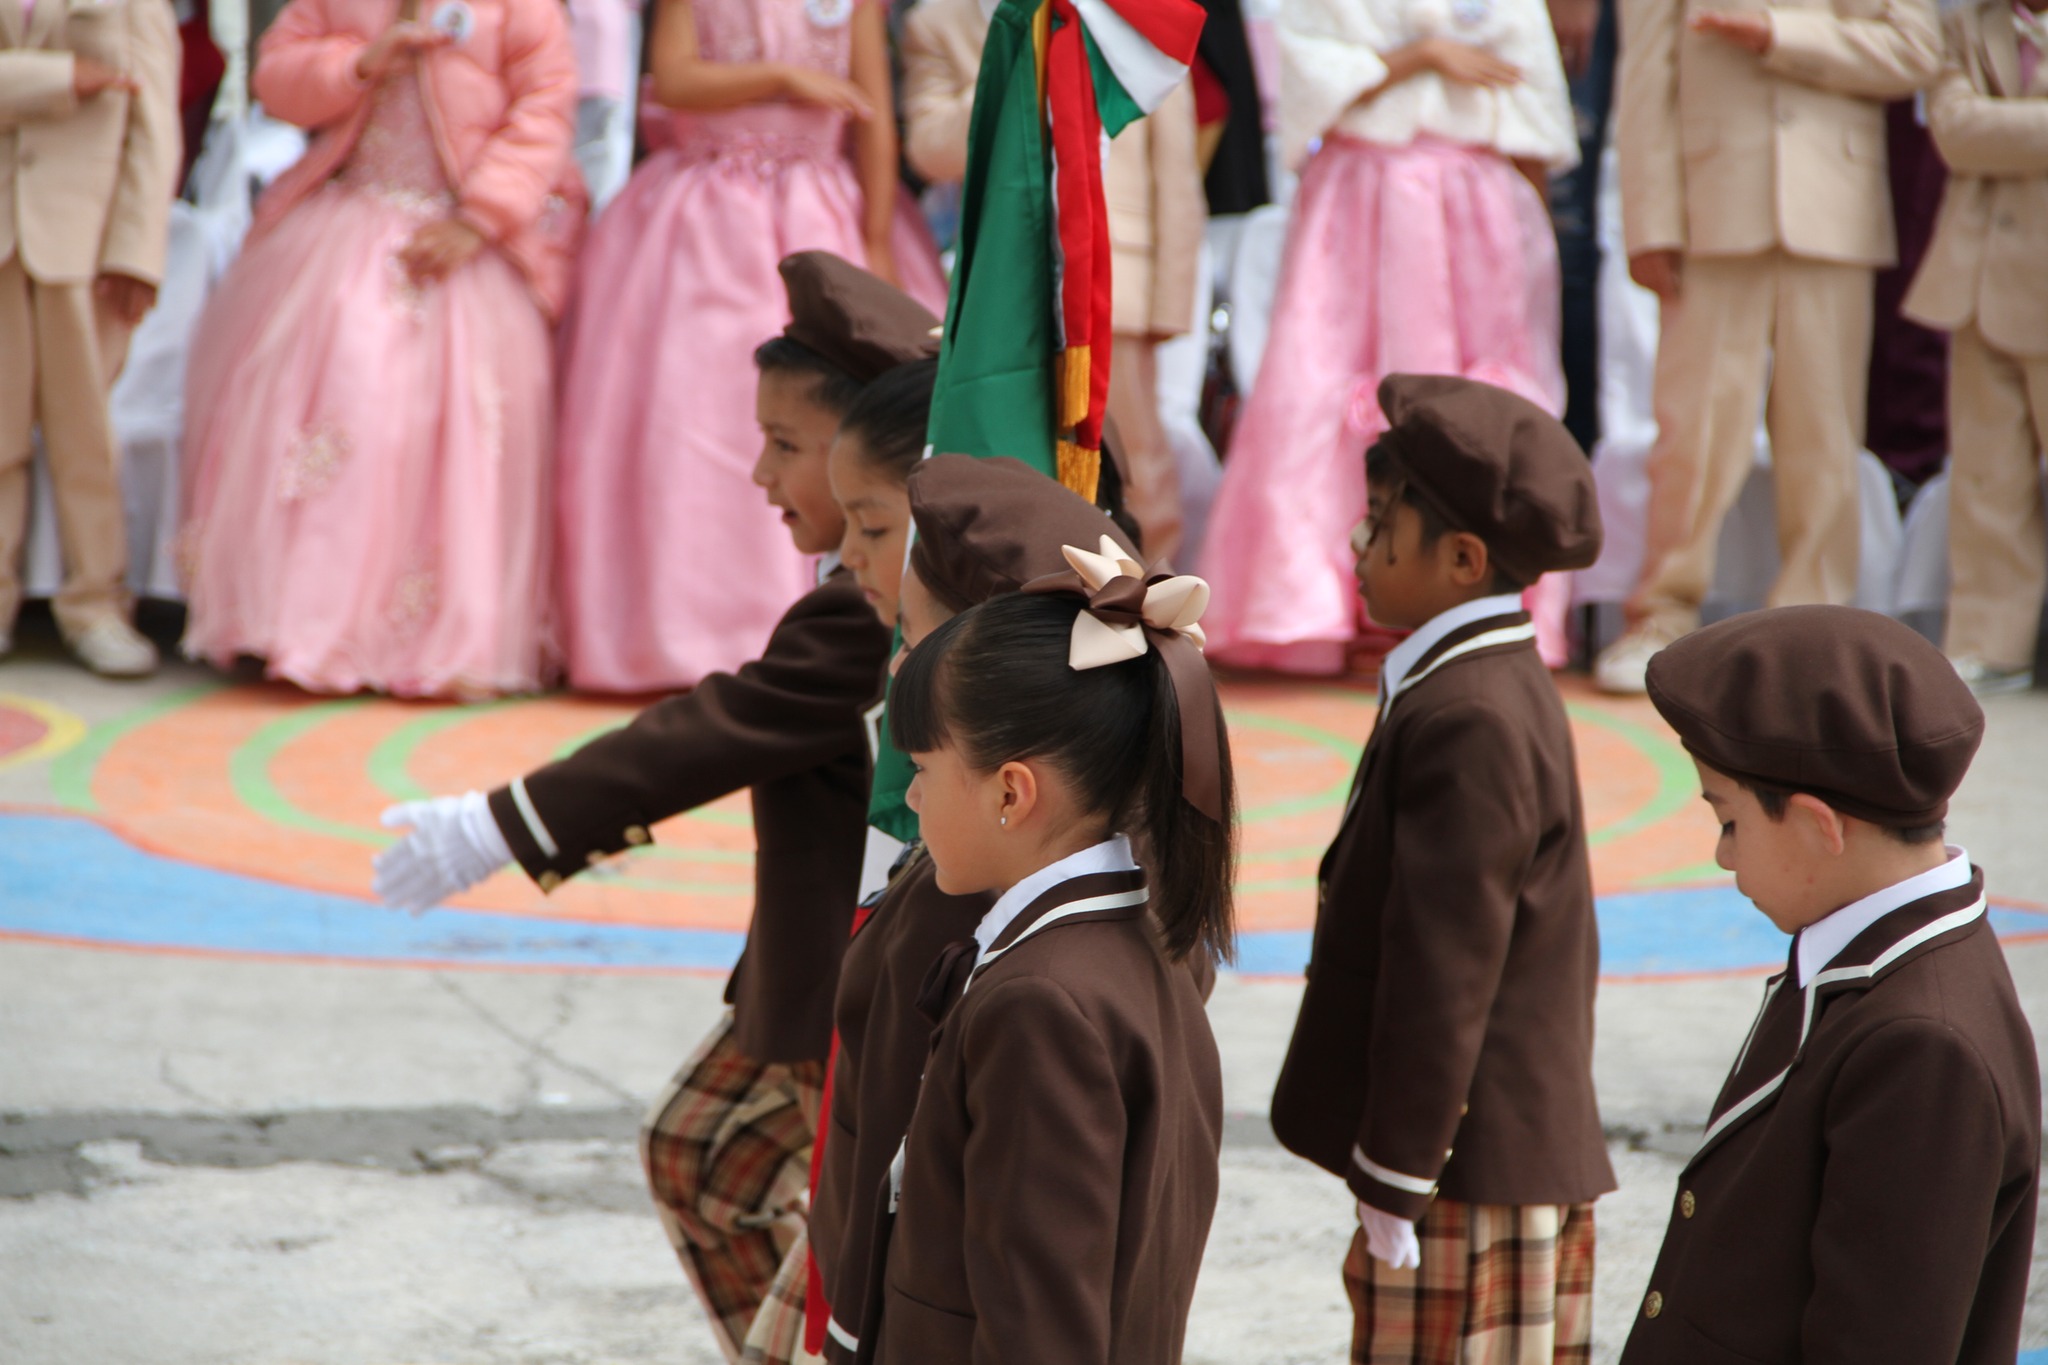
[(890, 416), (994, 682)]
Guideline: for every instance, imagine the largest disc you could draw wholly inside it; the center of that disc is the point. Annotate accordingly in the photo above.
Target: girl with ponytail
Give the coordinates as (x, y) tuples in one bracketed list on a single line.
[(984, 528), (1054, 1192)]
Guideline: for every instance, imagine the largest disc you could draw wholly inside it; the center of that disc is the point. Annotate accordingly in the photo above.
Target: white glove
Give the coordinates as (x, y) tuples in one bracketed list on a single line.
[(1389, 1239), (455, 843)]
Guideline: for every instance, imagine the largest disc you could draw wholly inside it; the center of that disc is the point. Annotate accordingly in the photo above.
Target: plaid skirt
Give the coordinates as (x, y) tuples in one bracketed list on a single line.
[(777, 1334), (1498, 1285), (727, 1149)]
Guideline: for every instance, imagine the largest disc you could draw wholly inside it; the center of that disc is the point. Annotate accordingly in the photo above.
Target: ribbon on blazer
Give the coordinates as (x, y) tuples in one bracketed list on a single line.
[(1129, 613)]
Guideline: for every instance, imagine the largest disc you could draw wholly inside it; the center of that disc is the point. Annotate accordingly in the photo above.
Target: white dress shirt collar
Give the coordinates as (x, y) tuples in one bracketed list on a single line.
[(1111, 855), (828, 564), (1823, 941), (1402, 658)]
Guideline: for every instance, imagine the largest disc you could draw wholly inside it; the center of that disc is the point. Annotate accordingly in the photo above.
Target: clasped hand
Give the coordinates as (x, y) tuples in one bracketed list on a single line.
[(394, 47), (1749, 31), (436, 249)]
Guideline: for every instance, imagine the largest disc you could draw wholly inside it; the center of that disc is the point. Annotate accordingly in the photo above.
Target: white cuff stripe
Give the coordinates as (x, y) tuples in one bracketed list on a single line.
[(539, 831), (1393, 1180), (841, 1335)]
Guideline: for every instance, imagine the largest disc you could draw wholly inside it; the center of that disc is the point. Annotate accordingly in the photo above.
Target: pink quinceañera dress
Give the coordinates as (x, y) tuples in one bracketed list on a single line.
[(1416, 246), (367, 457), (674, 566)]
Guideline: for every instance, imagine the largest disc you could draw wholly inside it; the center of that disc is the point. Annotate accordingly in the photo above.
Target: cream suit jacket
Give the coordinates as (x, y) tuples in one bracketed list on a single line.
[(1989, 256), (1152, 182), (86, 188), (1724, 153)]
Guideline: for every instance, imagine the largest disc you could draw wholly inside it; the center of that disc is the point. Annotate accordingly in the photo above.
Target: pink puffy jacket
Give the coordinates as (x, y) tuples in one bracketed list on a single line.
[(502, 104)]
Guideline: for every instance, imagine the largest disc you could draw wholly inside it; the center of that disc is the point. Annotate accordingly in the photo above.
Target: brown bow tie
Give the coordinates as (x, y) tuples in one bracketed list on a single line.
[(947, 979)]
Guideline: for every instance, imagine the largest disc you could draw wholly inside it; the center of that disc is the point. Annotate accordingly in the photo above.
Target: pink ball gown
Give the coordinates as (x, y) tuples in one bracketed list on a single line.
[(367, 459), (673, 564), (1431, 258)]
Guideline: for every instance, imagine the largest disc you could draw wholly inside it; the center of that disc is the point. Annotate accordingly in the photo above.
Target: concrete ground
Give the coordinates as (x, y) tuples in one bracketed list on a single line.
[(205, 1159)]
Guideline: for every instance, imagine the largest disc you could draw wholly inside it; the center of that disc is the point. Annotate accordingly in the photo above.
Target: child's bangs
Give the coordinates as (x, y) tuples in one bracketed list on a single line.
[(918, 722)]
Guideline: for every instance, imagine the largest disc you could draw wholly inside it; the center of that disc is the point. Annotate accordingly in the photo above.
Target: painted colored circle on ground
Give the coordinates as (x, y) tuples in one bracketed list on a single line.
[(35, 731), (71, 880), (243, 819)]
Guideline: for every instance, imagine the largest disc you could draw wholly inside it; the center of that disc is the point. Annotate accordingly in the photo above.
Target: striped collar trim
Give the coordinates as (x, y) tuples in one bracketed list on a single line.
[(1491, 633), (1852, 976), (1488, 632), (1449, 625), (1106, 895)]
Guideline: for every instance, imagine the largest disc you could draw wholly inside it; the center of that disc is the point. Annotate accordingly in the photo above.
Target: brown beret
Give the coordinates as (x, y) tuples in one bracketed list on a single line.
[(1846, 705), (1495, 465), (988, 526), (857, 321)]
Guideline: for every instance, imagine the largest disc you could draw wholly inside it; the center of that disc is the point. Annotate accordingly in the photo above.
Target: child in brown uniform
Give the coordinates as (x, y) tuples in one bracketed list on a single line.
[(1054, 1191), (727, 1144), (985, 527), (1442, 1062), (1866, 1189)]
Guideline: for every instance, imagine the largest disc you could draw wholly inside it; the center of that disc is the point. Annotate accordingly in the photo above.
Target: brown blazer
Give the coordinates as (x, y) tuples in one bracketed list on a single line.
[(884, 1039), (86, 189), (1724, 153), (1865, 1193), (1151, 180), (1060, 1172), (789, 725), (883, 1042), (1446, 1035), (1991, 238)]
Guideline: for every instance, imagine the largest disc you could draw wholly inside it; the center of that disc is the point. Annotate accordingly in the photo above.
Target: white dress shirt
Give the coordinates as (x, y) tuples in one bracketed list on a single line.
[(1111, 855), (1823, 941)]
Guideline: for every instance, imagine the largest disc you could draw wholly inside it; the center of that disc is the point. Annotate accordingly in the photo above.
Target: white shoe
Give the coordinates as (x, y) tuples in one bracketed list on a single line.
[(1988, 680), (1624, 666), (112, 648)]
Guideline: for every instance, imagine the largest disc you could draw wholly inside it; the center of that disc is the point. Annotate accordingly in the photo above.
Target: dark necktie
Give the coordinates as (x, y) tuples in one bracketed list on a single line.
[(946, 979), (1772, 1046)]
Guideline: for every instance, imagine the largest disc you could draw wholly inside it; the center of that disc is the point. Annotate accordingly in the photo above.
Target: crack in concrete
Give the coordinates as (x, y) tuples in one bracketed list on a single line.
[(177, 1086), (41, 1153), (536, 1050)]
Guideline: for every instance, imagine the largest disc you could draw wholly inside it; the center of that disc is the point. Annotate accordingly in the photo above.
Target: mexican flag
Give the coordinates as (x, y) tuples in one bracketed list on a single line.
[(1024, 362)]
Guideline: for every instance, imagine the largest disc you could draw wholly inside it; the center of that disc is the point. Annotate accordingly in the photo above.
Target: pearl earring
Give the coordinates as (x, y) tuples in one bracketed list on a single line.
[(1005, 820)]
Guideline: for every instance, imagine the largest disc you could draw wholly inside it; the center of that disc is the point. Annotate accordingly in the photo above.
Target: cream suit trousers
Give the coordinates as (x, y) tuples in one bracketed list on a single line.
[(1152, 488), (1740, 322), (59, 353), (1997, 542)]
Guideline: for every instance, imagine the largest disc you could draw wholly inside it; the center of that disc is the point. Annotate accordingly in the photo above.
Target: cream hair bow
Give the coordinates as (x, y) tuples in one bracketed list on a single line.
[(1122, 605)]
